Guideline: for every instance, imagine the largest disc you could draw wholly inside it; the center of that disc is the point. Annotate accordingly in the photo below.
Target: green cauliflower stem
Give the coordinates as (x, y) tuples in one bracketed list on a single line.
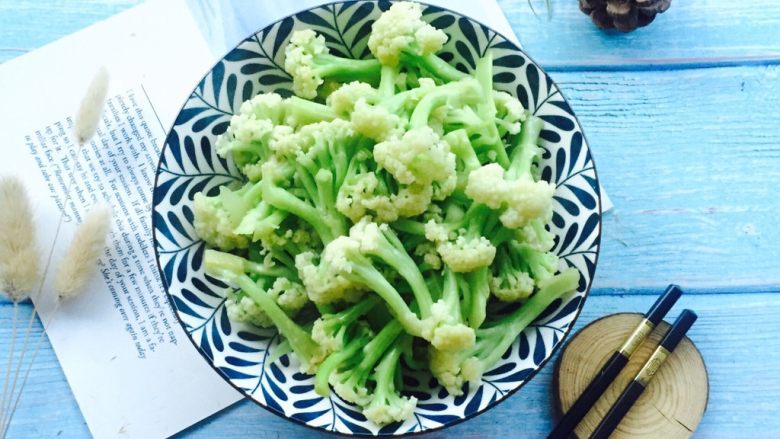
[(232, 219), (289, 295), (453, 369), (309, 62), (419, 158), (401, 29), (385, 210), (386, 405), (351, 383), (321, 164), (304, 347), (330, 330), (400, 35), (514, 191)]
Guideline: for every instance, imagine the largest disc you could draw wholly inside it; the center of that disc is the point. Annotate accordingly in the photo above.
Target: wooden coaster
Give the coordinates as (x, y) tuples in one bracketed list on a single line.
[(672, 405)]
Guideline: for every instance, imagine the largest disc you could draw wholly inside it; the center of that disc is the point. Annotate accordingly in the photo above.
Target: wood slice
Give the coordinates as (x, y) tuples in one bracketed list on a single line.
[(671, 406)]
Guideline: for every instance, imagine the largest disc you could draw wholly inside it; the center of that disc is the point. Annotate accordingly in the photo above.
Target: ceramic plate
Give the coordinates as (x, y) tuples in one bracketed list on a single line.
[(189, 165)]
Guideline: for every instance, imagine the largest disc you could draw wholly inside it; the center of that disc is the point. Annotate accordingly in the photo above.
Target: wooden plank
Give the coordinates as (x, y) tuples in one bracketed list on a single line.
[(744, 391), (690, 159), (691, 32), (29, 24)]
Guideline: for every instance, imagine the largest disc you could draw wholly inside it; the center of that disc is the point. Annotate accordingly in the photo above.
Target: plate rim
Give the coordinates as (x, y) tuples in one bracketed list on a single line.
[(473, 415)]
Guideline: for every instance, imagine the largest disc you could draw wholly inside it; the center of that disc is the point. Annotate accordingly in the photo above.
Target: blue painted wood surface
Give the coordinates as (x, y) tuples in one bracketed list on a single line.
[(683, 119)]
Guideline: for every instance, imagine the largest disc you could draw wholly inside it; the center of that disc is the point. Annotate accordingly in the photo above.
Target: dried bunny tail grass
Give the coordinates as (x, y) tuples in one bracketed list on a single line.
[(19, 259), (91, 107), (85, 248)]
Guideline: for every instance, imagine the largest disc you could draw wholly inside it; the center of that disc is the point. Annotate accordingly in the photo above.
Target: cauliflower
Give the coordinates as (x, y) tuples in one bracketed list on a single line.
[(213, 223), (399, 196), (419, 157), (309, 62), (521, 200), (400, 29), (509, 113), (375, 122), (344, 99), (325, 285), (467, 253), (450, 335), (266, 106), (299, 61), (290, 296), (512, 286)]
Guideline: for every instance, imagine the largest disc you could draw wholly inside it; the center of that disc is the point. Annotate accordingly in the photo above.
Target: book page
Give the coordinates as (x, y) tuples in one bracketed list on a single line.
[(131, 366)]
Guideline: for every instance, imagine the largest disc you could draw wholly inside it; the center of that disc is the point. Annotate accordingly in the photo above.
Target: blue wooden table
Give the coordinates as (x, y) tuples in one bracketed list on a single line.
[(684, 121)]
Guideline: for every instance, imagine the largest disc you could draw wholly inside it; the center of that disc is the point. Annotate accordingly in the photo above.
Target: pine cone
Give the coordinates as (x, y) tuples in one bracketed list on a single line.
[(623, 15)]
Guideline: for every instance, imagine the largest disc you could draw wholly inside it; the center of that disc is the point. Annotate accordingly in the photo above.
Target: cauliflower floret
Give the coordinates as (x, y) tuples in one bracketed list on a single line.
[(402, 28), (509, 112), (358, 198), (536, 236), (328, 341), (246, 135), (375, 122), (248, 129), (367, 235), (344, 98), (467, 254), (436, 232), (213, 224), (445, 366), (447, 334), (452, 371), (523, 200), (289, 295), (323, 284), (352, 195), (453, 337), (299, 54), (400, 409), (283, 141), (419, 157), (243, 309), (512, 287), (253, 171), (412, 200), (347, 390), (264, 106), (428, 252)]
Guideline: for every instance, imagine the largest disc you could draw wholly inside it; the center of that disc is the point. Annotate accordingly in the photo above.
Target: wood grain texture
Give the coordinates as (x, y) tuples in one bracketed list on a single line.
[(736, 334), (690, 33), (691, 160), (671, 406)]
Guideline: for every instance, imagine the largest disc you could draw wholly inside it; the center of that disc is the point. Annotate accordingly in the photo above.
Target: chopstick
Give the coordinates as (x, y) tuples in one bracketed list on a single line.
[(638, 385), (615, 364)]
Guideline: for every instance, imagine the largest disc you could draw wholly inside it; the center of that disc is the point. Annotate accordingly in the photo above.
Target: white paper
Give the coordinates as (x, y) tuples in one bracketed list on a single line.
[(131, 367)]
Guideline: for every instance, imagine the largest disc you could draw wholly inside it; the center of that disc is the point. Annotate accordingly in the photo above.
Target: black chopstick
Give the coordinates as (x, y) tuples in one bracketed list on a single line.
[(615, 364), (638, 385)]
